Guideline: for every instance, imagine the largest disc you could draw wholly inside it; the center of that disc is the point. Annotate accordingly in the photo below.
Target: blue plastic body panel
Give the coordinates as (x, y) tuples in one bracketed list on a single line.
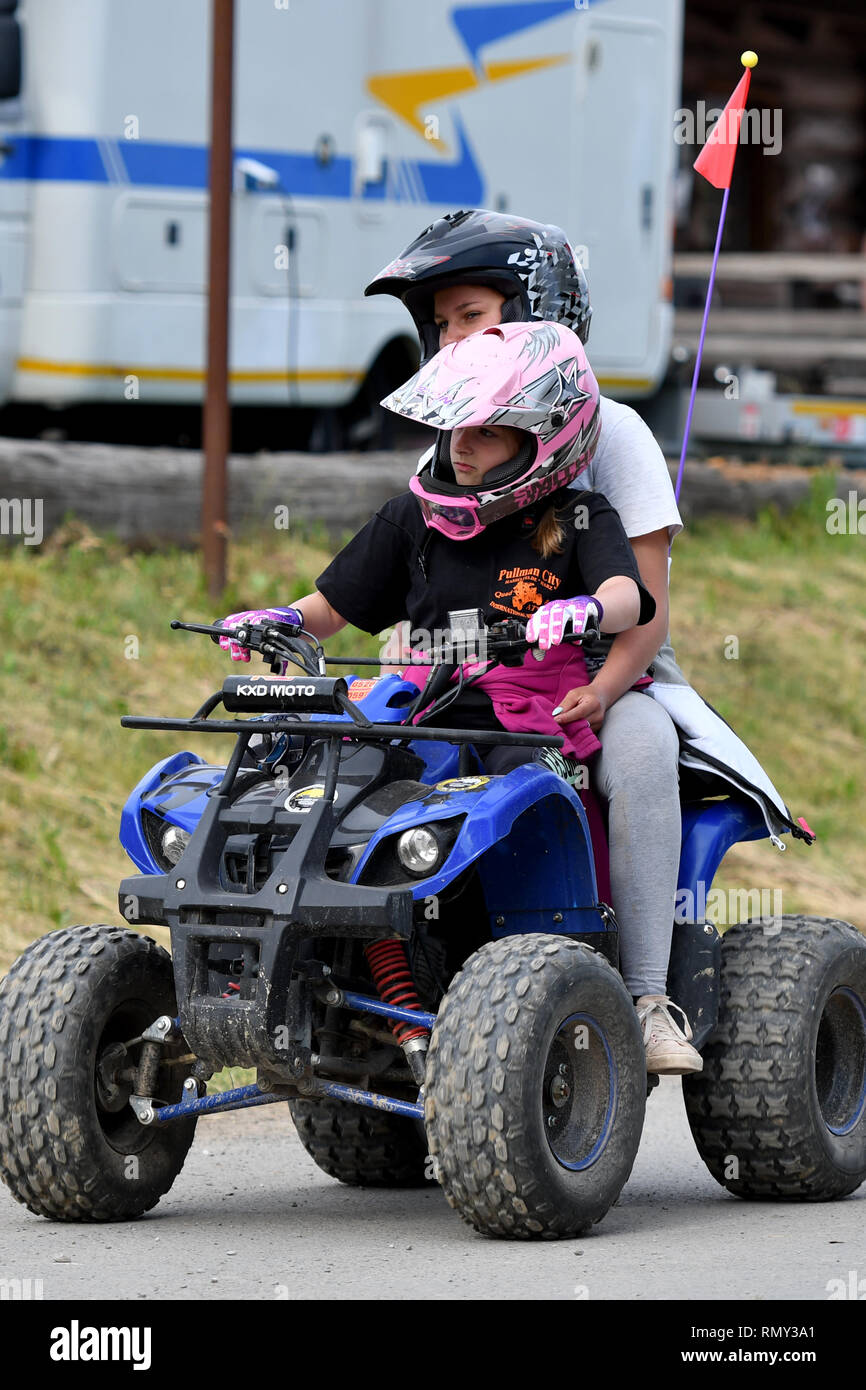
[(152, 793), (526, 832), (385, 704), (710, 828)]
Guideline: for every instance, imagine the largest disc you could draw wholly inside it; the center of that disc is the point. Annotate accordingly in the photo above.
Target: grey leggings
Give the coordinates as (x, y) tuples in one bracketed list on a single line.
[(638, 775)]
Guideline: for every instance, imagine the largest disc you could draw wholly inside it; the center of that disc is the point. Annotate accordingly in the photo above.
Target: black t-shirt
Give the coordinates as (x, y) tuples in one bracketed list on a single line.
[(396, 567)]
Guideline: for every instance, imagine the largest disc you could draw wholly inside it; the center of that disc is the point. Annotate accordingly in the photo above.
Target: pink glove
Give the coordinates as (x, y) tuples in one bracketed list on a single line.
[(564, 617), (255, 615)]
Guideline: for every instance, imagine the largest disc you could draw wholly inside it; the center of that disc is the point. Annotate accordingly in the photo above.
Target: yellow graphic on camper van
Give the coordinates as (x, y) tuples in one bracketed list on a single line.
[(408, 93)]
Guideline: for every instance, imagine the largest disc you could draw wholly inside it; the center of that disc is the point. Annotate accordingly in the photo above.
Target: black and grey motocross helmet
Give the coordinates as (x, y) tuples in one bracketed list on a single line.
[(531, 264)]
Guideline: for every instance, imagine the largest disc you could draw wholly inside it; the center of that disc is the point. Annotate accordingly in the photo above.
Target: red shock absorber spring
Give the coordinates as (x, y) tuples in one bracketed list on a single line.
[(389, 966)]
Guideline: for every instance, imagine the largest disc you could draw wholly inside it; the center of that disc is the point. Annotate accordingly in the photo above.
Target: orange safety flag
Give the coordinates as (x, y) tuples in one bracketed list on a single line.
[(716, 159)]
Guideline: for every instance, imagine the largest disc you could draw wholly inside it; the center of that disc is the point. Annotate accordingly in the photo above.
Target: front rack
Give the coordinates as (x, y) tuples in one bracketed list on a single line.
[(331, 729)]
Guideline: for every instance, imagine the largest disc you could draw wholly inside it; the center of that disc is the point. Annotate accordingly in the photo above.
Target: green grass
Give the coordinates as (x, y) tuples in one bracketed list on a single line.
[(792, 595), (229, 1078), (69, 611)]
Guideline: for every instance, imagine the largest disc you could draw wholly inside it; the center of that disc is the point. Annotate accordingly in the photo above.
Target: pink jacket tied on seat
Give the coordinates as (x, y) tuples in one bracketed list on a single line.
[(524, 696)]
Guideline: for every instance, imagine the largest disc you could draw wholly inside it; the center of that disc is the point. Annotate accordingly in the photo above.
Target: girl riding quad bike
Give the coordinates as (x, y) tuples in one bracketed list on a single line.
[(472, 269), (412, 950), (483, 520)]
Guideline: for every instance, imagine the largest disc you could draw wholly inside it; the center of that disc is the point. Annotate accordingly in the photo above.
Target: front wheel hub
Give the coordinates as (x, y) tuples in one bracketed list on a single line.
[(112, 1091), (560, 1091), (579, 1092)]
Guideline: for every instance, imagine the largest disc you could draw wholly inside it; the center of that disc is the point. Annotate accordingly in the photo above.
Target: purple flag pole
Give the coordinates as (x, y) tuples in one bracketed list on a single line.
[(697, 371)]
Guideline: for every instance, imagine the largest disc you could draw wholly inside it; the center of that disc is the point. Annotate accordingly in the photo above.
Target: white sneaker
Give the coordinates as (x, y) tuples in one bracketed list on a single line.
[(668, 1047)]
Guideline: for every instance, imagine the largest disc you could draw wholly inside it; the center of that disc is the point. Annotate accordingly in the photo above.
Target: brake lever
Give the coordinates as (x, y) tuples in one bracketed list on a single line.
[(574, 639), (507, 653), (213, 630), (591, 631), (276, 662), (296, 640)]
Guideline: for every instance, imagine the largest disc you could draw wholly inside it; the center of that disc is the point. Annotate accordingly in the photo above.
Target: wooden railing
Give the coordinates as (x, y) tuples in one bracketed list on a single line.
[(779, 336), (772, 265)]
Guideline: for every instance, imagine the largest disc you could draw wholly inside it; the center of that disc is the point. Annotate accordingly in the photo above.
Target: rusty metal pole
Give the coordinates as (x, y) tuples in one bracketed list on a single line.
[(217, 420)]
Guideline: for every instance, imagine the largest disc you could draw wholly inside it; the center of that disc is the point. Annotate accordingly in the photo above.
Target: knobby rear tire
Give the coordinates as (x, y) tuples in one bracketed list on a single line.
[(779, 1111)]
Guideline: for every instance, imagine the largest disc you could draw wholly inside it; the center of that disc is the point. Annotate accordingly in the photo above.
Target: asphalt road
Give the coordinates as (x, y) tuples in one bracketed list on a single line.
[(251, 1217)]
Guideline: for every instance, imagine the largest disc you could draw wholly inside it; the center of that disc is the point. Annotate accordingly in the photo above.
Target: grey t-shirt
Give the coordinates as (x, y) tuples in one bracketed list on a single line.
[(629, 468)]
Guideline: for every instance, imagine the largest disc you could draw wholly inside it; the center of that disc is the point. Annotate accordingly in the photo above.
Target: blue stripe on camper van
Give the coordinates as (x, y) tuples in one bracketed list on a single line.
[(186, 166), (51, 157), (68, 159), (479, 25)]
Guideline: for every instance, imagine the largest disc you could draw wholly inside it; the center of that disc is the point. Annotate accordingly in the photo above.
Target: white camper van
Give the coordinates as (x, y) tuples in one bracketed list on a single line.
[(356, 123)]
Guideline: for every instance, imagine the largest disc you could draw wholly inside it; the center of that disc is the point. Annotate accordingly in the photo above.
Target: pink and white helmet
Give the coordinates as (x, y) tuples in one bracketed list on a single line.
[(532, 376)]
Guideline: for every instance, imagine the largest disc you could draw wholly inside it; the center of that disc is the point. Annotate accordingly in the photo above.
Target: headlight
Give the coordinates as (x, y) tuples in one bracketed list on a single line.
[(173, 842), (419, 851), (412, 854)]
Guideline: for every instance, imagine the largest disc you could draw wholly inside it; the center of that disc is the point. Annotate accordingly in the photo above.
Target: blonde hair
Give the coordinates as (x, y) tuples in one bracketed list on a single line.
[(550, 537)]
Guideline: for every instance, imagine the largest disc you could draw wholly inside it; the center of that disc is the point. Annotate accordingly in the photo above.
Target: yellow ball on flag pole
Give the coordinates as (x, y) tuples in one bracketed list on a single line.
[(748, 59)]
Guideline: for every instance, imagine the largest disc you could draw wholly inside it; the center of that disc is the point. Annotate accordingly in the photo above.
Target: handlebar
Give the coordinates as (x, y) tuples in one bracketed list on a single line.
[(277, 643), (503, 642)]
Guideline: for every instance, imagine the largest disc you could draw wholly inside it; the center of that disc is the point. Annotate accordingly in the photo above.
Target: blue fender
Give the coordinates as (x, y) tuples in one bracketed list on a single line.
[(179, 802), (528, 835), (182, 802), (710, 828)]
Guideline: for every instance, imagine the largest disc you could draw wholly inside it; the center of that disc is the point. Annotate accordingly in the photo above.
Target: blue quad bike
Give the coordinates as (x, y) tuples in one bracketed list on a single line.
[(413, 955)]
